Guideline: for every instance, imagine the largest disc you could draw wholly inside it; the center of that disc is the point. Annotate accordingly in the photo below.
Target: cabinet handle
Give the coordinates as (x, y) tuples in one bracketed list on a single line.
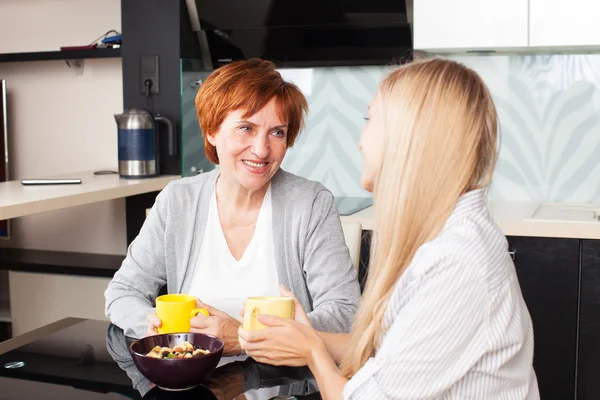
[(512, 255)]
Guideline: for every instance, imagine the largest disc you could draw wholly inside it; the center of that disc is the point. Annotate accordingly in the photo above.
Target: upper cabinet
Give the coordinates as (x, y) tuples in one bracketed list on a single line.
[(447, 26), (559, 23), (460, 25)]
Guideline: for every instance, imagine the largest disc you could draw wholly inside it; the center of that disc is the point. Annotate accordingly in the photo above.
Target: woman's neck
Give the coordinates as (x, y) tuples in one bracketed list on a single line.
[(233, 196)]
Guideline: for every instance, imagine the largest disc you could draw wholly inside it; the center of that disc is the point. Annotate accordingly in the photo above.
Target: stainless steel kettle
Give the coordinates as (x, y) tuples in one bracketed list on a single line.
[(139, 144)]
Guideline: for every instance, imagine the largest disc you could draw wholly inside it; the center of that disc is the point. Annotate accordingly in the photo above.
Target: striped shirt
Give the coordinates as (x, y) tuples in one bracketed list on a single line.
[(456, 326)]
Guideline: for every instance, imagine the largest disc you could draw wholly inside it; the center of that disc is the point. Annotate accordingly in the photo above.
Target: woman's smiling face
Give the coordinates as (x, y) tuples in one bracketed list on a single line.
[(251, 149)]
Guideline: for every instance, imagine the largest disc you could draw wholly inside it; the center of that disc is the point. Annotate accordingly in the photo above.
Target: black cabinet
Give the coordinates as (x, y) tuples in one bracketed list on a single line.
[(588, 363), (548, 271)]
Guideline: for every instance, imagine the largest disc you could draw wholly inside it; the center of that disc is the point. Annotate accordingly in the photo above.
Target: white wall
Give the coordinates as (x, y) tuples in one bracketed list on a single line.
[(60, 122), (45, 25), (37, 300)]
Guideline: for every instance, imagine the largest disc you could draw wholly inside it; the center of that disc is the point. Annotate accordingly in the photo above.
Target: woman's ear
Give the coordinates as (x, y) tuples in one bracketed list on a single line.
[(212, 140)]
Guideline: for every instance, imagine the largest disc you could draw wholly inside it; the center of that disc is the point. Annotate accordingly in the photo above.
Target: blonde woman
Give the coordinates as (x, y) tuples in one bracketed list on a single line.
[(442, 316)]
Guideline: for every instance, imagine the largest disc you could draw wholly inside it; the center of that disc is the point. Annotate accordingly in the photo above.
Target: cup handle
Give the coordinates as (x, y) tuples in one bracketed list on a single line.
[(249, 317), (197, 311)]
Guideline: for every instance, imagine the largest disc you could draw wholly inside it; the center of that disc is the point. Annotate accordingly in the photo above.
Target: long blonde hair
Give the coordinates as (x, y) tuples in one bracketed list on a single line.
[(440, 135)]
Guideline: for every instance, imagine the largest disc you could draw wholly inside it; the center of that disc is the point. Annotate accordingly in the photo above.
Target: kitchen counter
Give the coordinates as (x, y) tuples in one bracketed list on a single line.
[(514, 219), (17, 200)]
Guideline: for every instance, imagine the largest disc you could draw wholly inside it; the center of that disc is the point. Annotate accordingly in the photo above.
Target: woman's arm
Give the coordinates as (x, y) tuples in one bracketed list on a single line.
[(435, 339), (131, 293), (330, 275), (329, 380), (336, 344), (291, 343)]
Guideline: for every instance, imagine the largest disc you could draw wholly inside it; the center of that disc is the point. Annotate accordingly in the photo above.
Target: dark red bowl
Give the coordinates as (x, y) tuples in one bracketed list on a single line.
[(177, 374)]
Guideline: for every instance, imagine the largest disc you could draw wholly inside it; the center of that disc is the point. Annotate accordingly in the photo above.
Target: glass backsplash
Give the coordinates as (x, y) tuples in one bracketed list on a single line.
[(549, 108), (327, 150), (192, 145)]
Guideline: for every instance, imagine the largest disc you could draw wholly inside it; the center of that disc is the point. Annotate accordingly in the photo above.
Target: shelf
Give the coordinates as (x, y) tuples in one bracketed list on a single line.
[(5, 311), (61, 55), (17, 200), (59, 262)]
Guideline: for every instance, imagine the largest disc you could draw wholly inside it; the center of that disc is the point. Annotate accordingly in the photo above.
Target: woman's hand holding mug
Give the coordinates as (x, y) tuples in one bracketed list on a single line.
[(173, 314), (299, 312), (153, 324), (285, 338), (218, 324)]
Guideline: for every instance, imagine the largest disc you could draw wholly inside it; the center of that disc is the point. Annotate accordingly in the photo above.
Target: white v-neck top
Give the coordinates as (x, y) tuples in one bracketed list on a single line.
[(224, 282)]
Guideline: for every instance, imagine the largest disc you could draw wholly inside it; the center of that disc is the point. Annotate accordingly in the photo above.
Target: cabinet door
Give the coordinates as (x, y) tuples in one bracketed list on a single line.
[(564, 23), (469, 24), (588, 362), (548, 271)]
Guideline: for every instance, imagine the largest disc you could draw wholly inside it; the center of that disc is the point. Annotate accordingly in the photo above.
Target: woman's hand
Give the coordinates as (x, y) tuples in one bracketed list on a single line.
[(299, 312), (153, 324), (220, 325), (283, 342)]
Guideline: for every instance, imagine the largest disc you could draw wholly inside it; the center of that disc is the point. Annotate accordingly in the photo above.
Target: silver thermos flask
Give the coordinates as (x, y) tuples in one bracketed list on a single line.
[(139, 144)]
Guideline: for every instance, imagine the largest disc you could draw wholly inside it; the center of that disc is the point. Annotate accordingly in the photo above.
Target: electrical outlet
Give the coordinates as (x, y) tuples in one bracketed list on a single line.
[(149, 74)]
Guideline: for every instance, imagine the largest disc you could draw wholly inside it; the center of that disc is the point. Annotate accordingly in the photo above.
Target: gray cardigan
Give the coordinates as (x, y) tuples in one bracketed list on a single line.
[(310, 252)]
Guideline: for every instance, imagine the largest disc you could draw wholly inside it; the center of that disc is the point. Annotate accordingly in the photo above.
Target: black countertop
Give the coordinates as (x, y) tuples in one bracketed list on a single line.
[(86, 359)]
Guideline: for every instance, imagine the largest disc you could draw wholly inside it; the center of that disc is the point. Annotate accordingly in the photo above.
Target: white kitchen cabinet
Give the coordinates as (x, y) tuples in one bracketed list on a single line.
[(559, 23), (470, 24)]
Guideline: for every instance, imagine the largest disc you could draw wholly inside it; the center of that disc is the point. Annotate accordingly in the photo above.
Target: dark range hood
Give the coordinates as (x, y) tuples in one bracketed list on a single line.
[(303, 33)]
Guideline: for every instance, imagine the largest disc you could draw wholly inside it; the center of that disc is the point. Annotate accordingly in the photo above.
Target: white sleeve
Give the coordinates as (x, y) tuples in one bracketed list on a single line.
[(437, 335)]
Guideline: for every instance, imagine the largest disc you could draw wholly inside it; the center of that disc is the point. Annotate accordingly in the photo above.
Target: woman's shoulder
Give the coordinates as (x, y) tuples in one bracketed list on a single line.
[(188, 189), (475, 249), (193, 184), (299, 189)]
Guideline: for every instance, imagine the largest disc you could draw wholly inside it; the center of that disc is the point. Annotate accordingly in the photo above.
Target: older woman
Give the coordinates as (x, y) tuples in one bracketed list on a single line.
[(244, 229), (443, 316)]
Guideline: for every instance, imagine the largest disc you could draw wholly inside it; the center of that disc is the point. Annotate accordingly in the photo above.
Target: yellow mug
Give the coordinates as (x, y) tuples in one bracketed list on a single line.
[(282, 307), (175, 311)]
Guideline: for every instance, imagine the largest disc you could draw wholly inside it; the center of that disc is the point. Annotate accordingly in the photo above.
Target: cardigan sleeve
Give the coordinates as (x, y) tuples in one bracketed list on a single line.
[(130, 294), (330, 275)]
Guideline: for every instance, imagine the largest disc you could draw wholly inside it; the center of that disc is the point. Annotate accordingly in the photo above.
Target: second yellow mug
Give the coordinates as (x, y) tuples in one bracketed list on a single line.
[(282, 307), (175, 311)]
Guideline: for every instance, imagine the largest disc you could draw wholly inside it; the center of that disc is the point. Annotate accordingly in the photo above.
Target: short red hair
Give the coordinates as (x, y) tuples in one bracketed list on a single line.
[(247, 85)]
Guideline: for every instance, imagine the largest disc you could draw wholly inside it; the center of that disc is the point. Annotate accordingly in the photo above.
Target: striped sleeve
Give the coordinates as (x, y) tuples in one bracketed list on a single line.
[(435, 338)]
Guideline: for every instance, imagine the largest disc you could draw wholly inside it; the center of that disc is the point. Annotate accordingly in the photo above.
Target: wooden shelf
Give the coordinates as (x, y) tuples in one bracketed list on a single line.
[(61, 55)]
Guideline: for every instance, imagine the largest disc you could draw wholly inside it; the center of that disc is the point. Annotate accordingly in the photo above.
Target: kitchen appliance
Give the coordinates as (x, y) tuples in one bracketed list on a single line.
[(308, 33), (139, 142)]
